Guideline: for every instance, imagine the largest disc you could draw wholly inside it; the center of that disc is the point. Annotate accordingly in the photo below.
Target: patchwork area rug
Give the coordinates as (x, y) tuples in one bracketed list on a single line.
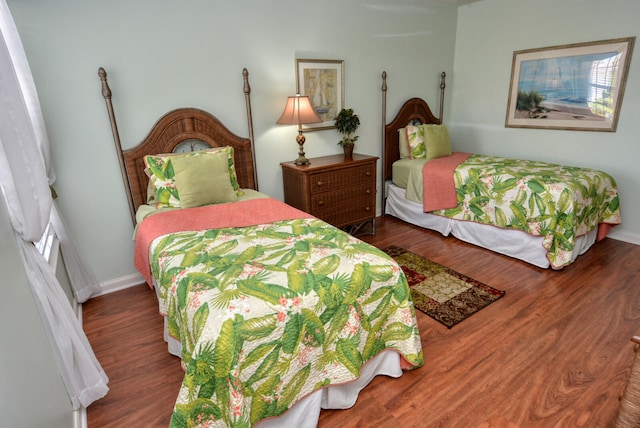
[(442, 293)]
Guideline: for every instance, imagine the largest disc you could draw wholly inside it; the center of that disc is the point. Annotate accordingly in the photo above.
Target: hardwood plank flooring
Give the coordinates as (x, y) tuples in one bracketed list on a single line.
[(554, 352)]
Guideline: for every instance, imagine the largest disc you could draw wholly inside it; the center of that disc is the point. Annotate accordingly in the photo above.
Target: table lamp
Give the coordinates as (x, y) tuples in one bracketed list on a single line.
[(299, 111)]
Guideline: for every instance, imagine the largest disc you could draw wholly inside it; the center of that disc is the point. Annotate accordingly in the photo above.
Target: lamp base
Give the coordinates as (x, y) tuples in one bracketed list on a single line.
[(302, 160)]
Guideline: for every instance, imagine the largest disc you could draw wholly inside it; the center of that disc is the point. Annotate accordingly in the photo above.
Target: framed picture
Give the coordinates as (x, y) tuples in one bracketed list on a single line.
[(574, 87), (322, 80)]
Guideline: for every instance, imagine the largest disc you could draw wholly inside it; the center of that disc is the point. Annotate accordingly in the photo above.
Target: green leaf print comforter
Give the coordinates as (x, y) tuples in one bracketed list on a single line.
[(269, 313), (557, 202)]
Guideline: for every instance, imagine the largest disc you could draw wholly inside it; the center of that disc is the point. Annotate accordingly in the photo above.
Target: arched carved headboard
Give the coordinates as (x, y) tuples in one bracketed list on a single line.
[(176, 129)]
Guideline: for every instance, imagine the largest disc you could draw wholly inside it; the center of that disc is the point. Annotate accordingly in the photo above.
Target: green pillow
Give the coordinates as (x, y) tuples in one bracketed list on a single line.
[(203, 180), (436, 140), (159, 168)]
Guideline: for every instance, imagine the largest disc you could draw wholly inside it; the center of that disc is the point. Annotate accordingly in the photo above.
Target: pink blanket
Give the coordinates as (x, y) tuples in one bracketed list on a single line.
[(237, 214), (438, 187)]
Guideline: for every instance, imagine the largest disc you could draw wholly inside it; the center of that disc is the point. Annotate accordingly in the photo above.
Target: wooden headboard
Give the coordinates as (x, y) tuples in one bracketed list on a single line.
[(414, 110), (176, 127)]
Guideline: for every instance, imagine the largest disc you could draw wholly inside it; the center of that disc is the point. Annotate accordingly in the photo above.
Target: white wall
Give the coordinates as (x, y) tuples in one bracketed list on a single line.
[(32, 393), (162, 54), (487, 34)]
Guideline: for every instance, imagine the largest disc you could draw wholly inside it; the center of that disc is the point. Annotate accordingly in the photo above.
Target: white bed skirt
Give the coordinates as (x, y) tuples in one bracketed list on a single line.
[(306, 412), (510, 242)]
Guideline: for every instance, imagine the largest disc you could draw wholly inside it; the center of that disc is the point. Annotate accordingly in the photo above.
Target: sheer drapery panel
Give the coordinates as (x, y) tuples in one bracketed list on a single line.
[(25, 177)]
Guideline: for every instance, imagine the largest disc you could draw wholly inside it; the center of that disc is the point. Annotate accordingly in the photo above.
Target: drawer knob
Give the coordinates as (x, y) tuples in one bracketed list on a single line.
[(320, 183), (321, 203), (367, 208), (368, 173), (368, 191)]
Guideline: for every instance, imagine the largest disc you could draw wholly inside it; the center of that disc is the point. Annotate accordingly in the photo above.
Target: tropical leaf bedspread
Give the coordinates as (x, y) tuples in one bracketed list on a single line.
[(557, 202), (269, 313)]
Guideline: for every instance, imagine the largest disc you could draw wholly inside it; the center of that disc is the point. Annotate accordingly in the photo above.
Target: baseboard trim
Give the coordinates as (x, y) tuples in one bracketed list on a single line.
[(118, 284), (631, 238)]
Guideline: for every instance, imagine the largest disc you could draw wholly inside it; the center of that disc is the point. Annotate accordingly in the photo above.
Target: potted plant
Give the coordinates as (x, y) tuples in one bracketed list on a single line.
[(347, 123)]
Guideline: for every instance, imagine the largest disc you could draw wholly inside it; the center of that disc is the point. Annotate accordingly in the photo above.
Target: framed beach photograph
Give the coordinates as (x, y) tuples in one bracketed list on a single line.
[(322, 80), (573, 87)]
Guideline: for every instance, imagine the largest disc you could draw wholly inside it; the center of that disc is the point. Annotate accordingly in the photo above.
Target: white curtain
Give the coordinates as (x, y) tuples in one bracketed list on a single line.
[(25, 177), (83, 281)]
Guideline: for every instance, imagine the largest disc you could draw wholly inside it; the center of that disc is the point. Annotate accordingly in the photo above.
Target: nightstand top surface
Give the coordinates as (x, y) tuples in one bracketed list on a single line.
[(323, 161)]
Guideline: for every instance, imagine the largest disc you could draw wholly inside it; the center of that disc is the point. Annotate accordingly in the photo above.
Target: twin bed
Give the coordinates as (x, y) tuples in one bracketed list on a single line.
[(274, 314), (541, 213)]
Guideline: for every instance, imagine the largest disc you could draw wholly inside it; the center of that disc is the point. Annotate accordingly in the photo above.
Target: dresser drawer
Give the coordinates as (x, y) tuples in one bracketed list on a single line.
[(347, 214), (338, 179), (354, 195)]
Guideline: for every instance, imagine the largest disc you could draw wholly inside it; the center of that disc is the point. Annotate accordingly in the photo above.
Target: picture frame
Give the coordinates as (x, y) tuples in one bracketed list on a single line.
[(322, 80), (570, 87)]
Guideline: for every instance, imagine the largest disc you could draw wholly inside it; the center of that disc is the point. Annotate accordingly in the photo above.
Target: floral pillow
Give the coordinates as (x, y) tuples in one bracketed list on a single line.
[(415, 139), (403, 144), (162, 175)]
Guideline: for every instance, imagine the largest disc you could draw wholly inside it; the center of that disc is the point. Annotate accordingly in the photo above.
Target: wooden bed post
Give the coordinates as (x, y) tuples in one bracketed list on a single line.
[(247, 97), (442, 86), (106, 93), (384, 142)]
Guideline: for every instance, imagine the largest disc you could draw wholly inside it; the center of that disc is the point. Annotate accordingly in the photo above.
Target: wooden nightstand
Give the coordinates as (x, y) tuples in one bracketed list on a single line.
[(340, 191)]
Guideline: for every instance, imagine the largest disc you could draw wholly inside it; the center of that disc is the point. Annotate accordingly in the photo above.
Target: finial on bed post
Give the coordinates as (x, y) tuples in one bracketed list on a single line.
[(106, 93), (384, 141), (442, 86), (106, 90), (247, 97)]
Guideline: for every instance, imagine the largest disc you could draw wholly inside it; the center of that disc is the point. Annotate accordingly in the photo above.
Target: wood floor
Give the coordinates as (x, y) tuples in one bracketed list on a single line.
[(554, 352)]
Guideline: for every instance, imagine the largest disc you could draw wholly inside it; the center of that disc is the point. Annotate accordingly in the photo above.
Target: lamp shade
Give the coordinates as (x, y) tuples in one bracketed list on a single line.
[(298, 111)]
